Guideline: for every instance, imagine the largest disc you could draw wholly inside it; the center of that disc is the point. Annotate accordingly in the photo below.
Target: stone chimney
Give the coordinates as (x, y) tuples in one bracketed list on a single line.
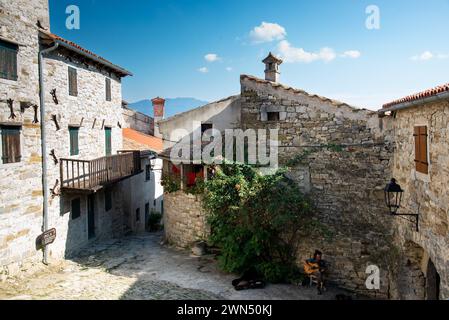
[(272, 64), (158, 108)]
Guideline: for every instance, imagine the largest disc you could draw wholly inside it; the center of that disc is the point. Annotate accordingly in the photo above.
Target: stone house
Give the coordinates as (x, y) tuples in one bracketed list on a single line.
[(63, 164), (345, 183), (419, 125), (143, 193)]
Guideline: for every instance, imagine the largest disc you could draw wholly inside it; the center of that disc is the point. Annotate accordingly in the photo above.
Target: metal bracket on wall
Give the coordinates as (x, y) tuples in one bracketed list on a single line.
[(36, 120), (82, 120), (54, 191), (95, 122), (24, 105), (102, 124), (55, 98), (413, 216), (119, 124), (55, 120), (52, 153), (11, 109)]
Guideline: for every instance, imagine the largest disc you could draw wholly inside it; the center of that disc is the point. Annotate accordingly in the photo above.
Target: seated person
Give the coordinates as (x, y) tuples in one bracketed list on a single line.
[(316, 267)]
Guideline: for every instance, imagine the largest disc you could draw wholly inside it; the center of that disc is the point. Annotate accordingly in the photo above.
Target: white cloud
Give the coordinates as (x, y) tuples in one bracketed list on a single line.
[(211, 57), (267, 32), (426, 55), (291, 54), (229, 69), (353, 54), (203, 70)]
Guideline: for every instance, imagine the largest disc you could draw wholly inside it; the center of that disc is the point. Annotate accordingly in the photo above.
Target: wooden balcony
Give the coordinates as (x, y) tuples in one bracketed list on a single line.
[(86, 176)]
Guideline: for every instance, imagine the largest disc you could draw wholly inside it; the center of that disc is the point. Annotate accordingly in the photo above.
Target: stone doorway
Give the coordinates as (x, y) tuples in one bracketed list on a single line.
[(432, 282), (411, 279)]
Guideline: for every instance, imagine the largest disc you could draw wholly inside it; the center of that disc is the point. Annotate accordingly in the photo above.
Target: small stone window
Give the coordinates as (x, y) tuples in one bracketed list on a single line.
[(11, 152), (205, 127), (138, 215), (108, 90), (148, 172), (76, 208), (74, 135), (272, 116), (8, 60), (421, 160), (73, 82)]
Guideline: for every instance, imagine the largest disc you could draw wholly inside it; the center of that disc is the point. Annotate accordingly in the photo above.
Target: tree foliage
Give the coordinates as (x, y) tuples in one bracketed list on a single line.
[(255, 220)]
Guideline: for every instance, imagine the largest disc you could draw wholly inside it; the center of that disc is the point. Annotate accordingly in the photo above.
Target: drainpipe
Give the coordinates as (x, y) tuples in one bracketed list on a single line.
[(44, 144)]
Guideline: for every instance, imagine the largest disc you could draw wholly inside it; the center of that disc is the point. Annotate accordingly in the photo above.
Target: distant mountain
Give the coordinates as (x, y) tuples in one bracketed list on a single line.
[(172, 106)]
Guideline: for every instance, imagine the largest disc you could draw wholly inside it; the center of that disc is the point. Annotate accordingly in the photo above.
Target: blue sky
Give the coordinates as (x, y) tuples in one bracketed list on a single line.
[(326, 45)]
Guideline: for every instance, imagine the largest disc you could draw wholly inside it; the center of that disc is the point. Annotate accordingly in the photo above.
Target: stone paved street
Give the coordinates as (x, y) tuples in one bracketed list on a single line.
[(138, 267)]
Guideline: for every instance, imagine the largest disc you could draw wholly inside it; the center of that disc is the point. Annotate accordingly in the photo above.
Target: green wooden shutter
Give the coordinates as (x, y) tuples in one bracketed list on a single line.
[(74, 135), (8, 60), (11, 144), (108, 140), (73, 82), (108, 89)]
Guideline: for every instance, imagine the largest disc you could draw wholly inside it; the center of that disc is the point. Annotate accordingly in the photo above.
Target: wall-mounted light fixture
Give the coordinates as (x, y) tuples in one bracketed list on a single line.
[(393, 197)]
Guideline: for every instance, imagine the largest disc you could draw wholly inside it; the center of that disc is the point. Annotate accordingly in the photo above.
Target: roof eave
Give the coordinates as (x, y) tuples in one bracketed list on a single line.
[(414, 103), (114, 67)]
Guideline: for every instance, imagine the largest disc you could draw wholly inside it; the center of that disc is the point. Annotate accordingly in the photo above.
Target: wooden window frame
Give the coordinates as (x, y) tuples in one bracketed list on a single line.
[(7, 138), (108, 84), (420, 134), (9, 51), (74, 148), (108, 148), (73, 86), (75, 215)]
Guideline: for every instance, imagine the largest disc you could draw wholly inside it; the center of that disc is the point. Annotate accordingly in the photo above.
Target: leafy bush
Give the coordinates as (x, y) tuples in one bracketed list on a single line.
[(255, 220), (171, 183), (154, 221)]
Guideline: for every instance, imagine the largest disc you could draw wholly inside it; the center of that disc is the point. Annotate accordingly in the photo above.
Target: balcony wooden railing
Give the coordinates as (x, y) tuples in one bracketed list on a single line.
[(91, 175)]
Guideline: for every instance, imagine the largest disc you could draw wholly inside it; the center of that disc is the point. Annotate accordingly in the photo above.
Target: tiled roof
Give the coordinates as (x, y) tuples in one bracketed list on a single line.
[(142, 141), (418, 96), (88, 53), (298, 91)]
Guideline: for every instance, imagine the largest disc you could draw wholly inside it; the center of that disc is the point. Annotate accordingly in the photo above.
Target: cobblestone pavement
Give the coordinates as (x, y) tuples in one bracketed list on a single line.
[(138, 267)]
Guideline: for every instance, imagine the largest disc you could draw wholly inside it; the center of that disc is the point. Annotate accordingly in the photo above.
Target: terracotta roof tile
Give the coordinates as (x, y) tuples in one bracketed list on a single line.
[(146, 141), (418, 96), (53, 36)]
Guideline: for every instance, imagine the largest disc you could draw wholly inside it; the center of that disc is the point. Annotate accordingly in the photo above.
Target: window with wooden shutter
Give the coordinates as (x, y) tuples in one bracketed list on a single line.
[(421, 160), (73, 82), (8, 60), (74, 135), (108, 140), (108, 89), (11, 144)]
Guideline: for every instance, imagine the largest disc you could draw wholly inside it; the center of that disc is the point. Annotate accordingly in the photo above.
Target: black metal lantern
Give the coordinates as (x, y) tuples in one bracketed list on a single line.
[(393, 196)]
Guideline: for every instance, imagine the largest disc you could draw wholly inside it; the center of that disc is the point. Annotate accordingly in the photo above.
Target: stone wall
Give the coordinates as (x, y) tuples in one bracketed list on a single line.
[(138, 121), (184, 219), (425, 194), (20, 183), (21, 200), (345, 184)]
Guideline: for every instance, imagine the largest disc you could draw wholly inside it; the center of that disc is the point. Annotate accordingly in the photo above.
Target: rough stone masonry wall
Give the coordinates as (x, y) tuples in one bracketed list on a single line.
[(426, 194), (138, 121), (184, 219), (20, 183), (92, 113), (346, 186)]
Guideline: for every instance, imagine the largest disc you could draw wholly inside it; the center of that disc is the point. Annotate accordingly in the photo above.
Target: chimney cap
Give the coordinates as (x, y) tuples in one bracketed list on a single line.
[(272, 58), (158, 100)]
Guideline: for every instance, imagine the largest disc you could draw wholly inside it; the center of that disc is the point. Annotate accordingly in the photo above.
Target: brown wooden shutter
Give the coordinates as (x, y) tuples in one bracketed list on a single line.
[(73, 82), (11, 144), (420, 134)]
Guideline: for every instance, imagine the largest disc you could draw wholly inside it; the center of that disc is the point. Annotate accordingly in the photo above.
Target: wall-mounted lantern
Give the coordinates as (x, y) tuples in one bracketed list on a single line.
[(393, 197)]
